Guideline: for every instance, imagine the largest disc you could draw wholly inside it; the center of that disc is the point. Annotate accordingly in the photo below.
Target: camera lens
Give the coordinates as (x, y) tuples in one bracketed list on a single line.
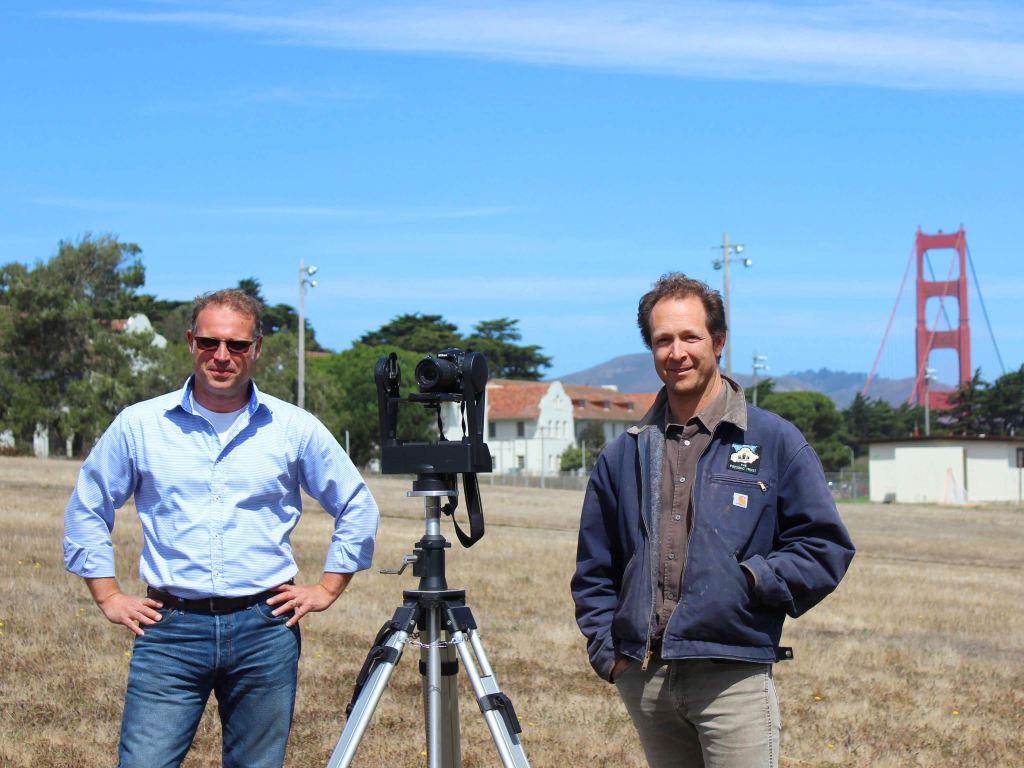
[(437, 375)]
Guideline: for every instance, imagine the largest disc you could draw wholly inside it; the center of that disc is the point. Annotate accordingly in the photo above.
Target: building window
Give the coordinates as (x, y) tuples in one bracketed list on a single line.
[(520, 429), (521, 461), (492, 430)]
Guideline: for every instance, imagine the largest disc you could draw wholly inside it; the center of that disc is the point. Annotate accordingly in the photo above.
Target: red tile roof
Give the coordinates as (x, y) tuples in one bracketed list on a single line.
[(511, 399), (601, 404)]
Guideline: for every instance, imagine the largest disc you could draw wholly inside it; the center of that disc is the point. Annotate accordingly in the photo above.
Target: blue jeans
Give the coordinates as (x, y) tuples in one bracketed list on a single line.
[(248, 658), (698, 713)]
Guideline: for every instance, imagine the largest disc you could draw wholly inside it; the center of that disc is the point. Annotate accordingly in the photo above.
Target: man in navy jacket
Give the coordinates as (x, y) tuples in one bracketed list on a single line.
[(702, 528)]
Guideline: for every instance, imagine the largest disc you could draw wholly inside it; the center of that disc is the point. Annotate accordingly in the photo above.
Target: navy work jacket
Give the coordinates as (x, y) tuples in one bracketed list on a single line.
[(760, 503)]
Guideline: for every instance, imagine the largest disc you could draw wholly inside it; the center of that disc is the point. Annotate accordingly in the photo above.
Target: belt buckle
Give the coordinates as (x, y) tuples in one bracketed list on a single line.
[(212, 601)]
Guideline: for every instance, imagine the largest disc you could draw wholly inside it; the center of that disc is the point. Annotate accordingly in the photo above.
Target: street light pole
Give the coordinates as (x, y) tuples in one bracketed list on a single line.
[(758, 365), (305, 273), (725, 297), (723, 264), (929, 375)]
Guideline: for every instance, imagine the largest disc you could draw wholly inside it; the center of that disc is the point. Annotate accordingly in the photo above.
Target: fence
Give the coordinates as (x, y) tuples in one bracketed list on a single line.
[(844, 484), (564, 481), (847, 484)]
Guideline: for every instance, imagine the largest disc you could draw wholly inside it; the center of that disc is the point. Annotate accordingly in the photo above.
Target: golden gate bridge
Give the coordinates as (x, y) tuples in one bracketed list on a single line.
[(942, 333)]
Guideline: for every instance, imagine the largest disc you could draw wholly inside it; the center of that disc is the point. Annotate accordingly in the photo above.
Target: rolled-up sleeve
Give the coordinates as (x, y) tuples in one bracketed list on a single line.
[(106, 480), (330, 477)]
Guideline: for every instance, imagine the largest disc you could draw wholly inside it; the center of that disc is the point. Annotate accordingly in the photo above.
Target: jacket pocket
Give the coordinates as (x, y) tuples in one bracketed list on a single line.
[(631, 613), (762, 485)]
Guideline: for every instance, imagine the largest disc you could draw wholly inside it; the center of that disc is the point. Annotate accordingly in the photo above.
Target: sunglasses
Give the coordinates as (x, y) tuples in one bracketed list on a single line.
[(210, 344)]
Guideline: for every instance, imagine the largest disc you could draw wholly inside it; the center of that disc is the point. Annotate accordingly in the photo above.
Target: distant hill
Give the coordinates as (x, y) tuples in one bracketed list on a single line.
[(634, 373)]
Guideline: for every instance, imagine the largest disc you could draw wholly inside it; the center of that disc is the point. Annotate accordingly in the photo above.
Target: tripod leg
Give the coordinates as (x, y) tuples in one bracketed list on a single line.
[(450, 744), (382, 659), (496, 707), (440, 696)]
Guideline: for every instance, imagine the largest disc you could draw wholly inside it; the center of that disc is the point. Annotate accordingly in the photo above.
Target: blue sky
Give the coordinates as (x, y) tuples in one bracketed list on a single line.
[(541, 161)]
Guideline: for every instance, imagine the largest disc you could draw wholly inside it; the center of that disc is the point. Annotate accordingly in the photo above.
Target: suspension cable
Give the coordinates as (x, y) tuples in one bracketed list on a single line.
[(888, 327), (984, 311)]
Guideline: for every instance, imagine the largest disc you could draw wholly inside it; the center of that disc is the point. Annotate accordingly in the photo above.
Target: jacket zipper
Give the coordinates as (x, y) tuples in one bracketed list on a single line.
[(643, 490), (686, 564), (741, 481)]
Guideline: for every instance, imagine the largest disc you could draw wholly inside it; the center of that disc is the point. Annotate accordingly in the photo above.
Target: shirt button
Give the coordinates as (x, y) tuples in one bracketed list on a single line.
[(682, 479), (671, 555), (677, 517), (686, 442)]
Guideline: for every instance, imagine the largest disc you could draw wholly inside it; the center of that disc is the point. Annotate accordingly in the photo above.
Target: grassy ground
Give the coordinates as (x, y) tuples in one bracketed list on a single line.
[(917, 659)]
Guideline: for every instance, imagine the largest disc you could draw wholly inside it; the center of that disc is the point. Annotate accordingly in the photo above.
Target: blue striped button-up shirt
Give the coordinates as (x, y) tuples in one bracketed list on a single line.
[(216, 518)]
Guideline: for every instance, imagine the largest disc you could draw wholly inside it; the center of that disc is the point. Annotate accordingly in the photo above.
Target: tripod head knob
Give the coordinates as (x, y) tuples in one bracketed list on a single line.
[(407, 560)]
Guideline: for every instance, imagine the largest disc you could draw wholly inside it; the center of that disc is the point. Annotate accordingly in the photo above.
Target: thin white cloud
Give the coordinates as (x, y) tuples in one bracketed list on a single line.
[(425, 213), (271, 96), (945, 44), (522, 289)]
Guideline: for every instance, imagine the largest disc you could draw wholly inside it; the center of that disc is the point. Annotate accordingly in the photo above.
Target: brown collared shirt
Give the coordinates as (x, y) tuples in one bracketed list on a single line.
[(684, 444)]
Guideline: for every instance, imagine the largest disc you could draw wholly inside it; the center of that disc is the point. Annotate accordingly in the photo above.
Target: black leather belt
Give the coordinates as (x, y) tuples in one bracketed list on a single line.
[(208, 604)]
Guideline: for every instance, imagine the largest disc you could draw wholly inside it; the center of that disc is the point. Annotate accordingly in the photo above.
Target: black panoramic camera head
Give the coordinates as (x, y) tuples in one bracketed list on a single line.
[(451, 376)]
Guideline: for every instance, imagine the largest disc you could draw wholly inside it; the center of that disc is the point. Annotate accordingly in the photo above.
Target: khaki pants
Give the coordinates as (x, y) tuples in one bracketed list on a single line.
[(697, 713)]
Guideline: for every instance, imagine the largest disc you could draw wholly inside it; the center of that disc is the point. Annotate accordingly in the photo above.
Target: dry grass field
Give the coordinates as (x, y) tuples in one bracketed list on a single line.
[(917, 659)]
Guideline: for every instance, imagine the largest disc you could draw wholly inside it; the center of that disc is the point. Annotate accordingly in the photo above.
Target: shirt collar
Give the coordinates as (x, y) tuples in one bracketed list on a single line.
[(256, 398), (708, 418), (735, 408)]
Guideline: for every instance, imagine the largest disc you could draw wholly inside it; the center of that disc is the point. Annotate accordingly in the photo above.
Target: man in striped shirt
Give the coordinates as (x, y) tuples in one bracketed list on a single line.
[(216, 470)]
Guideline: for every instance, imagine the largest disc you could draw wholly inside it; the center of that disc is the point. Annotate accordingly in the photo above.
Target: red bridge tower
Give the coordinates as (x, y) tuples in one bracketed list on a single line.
[(932, 338)]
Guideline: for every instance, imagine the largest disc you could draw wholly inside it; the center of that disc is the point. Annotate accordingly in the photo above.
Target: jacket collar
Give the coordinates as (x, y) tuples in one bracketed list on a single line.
[(735, 408)]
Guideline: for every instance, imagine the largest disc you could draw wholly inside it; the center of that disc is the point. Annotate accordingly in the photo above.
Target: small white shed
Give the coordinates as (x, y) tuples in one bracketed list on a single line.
[(947, 470)]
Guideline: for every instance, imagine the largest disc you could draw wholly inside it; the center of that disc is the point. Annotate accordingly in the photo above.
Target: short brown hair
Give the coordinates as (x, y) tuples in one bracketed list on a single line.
[(677, 285), (235, 299)]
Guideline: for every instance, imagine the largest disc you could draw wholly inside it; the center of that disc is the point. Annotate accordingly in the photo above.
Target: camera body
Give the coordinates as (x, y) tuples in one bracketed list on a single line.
[(450, 376)]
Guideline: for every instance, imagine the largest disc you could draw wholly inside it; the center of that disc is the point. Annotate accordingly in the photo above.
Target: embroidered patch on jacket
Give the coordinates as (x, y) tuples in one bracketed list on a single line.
[(745, 458), (739, 500)]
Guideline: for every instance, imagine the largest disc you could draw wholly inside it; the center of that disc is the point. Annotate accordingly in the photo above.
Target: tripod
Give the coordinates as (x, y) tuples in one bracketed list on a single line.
[(446, 627)]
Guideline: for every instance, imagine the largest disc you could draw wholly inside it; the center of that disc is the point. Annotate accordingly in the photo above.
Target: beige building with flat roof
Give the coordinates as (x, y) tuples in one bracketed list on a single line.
[(947, 470)]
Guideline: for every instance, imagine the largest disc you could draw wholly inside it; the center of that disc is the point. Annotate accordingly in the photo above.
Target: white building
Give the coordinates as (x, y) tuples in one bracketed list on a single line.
[(529, 424), (947, 470)]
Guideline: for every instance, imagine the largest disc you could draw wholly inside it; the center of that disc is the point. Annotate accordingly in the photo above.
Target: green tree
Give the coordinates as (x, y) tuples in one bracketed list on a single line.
[(495, 339), (815, 415), (66, 367), (277, 374), (423, 334), (866, 420), (351, 374), (983, 408), (278, 318), (505, 358), (173, 324), (1004, 404), (764, 388), (591, 441), (161, 311), (969, 407), (572, 458)]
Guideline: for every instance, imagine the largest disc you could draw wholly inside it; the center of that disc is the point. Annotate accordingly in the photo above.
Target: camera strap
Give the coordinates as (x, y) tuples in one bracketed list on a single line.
[(474, 509)]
